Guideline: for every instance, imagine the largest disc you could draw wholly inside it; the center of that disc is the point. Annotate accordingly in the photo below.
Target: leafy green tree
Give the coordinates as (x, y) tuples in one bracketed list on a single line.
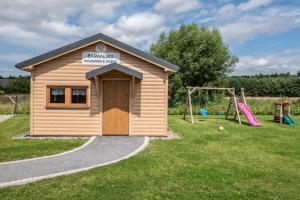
[(199, 51)]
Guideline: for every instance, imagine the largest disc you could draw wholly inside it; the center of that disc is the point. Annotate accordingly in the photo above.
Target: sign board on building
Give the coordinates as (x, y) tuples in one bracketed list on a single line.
[(100, 56)]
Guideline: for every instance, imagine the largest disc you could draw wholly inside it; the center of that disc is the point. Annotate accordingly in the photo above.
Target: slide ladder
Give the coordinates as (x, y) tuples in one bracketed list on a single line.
[(233, 108)]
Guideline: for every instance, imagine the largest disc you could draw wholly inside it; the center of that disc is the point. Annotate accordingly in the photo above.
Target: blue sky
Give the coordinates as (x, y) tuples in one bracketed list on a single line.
[(264, 34)]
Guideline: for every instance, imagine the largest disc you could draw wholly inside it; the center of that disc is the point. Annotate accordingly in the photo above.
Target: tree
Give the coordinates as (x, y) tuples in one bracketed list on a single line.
[(199, 51)]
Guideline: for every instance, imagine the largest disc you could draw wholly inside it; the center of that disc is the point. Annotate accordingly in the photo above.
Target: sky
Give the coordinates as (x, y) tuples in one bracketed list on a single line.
[(264, 34)]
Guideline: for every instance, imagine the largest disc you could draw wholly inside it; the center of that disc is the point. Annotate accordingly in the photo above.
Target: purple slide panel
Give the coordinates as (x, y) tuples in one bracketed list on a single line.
[(248, 114)]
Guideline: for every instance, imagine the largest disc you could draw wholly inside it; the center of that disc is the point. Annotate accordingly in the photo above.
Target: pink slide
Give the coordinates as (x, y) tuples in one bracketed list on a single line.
[(248, 114)]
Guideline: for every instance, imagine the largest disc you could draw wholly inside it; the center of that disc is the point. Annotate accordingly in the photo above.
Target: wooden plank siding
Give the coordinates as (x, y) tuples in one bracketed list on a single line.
[(148, 109)]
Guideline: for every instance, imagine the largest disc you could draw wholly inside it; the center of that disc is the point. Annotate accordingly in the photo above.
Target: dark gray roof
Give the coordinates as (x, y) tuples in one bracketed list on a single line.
[(113, 66), (91, 39)]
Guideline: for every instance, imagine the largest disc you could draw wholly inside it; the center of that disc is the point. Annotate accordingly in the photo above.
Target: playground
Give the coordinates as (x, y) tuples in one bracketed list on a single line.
[(237, 105), (241, 162), (236, 162)]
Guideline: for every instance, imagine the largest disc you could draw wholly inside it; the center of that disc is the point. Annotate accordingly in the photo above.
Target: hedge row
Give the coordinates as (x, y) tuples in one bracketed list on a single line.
[(288, 86)]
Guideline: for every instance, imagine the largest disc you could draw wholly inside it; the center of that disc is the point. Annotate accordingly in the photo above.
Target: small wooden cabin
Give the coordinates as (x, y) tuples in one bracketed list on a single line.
[(98, 86)]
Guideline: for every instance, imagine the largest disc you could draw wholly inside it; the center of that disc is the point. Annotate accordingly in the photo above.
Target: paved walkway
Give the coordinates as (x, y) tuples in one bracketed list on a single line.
[(4, 117), (98, 151)]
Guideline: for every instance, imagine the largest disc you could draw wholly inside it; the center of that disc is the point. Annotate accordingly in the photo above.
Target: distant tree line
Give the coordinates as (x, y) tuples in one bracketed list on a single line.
[(14, 85), (273, 85)]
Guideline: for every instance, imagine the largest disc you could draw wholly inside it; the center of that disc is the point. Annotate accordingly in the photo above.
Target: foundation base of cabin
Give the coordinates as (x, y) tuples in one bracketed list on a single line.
[(98, 86)]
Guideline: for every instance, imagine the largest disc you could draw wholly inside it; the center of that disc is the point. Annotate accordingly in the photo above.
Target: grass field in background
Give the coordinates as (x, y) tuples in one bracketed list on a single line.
[(15, 149), (259, 106), (7, 106), (241, 162)]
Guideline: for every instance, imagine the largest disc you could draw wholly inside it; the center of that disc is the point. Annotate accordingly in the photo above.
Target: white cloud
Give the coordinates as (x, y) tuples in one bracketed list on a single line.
[(226, 11), (176, 6), (103, 9), (13, 57), (132, 29), (253, 4), (282, 62), (231, 9), (7, 62), (136, 22), (60, 28), (99, 11), (244, 21), (47, 24), (19, 36), (270, 21)]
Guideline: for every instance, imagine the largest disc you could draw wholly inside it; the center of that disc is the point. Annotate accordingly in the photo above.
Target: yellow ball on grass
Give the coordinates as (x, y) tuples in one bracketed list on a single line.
[(221, 128)]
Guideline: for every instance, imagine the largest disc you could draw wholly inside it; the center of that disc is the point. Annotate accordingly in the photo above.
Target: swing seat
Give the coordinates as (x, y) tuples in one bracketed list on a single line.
[(219, 113), (203, 112)]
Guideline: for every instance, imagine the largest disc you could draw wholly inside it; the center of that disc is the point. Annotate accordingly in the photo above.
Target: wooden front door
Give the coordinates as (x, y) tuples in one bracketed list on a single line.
[(115, 107)]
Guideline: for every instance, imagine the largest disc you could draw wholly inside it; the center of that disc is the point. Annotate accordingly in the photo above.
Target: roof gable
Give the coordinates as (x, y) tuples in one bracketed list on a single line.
[(93, 39)]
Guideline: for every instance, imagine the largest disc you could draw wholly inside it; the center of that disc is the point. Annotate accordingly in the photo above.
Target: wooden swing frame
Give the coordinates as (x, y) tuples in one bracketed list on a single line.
[(16, 102), (232, 107)]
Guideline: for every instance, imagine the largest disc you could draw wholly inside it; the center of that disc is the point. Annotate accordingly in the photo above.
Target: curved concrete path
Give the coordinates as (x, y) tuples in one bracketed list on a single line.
[(98, 151), (5, 117)]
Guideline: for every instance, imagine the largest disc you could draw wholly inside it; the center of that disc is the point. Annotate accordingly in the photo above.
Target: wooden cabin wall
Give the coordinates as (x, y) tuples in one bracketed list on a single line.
[(148, 107)]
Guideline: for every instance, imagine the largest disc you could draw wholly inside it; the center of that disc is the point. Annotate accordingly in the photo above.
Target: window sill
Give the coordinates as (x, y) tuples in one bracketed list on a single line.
[(67, 107)]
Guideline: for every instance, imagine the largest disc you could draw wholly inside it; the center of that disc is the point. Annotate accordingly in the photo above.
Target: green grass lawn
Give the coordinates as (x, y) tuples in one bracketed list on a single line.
[(241, 162), (12, 149)]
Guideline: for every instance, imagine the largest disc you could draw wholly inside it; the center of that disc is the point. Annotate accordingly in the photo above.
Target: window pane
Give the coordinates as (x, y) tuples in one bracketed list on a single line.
[(57, 95), (78, 95)]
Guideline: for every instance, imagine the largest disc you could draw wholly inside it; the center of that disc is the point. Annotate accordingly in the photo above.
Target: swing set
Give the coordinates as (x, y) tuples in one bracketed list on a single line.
[(235, 105), (232, 109), (17, 104)]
